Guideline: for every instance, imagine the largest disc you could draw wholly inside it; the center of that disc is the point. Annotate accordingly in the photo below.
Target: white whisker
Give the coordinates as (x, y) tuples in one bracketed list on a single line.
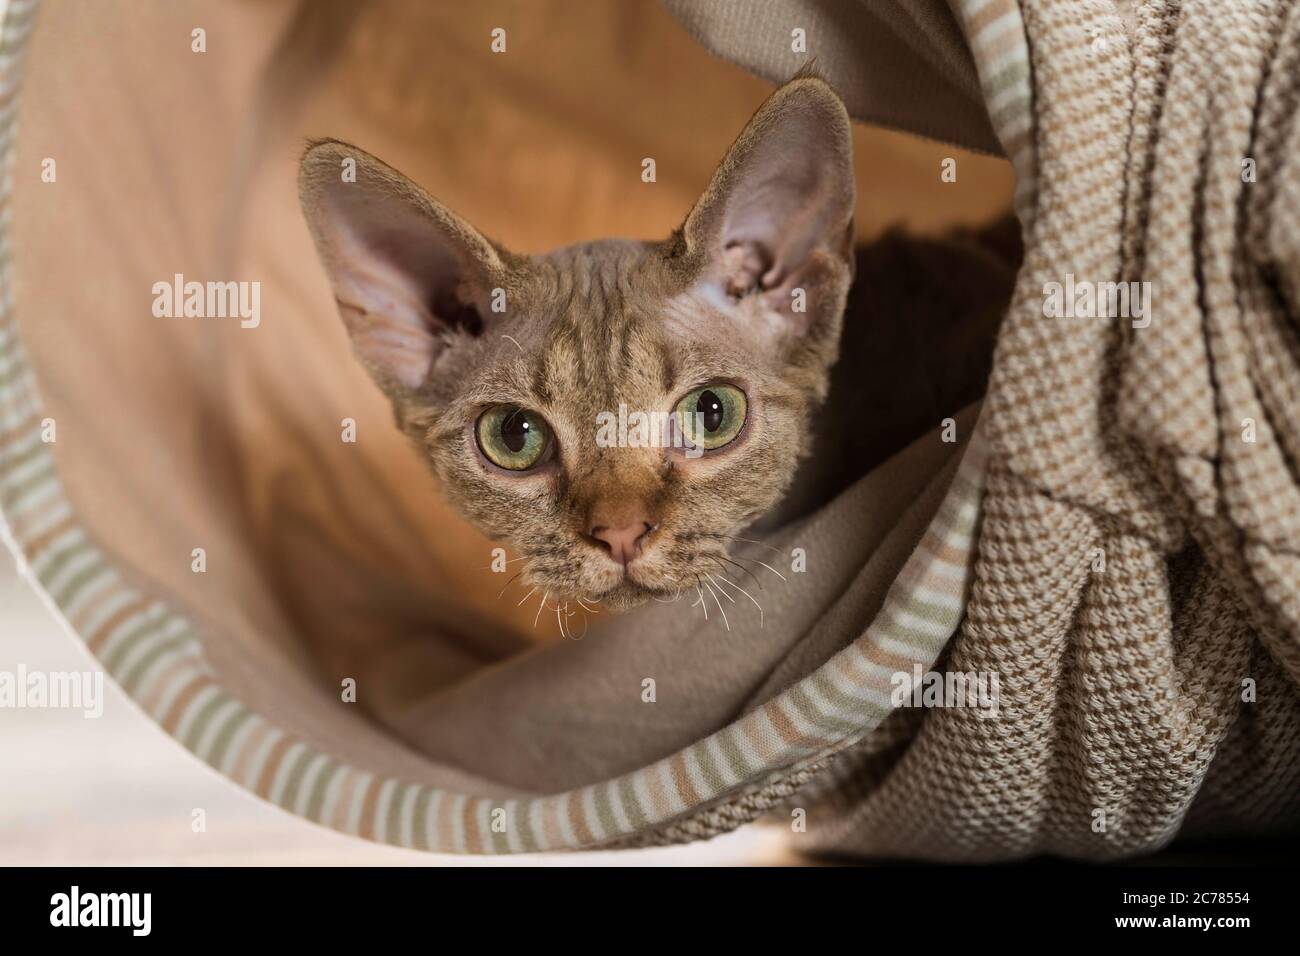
[(719, 604), (701, 603), (745, 570), (761, 544), (724, 578), (540, 608), (714, 580), (672, 600), (586, 623), (772, 569)]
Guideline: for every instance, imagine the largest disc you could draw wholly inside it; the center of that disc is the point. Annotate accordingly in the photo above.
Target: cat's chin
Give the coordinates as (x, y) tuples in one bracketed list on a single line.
[(627, 595)]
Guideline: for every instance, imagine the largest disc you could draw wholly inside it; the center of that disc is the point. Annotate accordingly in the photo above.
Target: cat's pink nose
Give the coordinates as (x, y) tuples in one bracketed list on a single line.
[(623, 542)]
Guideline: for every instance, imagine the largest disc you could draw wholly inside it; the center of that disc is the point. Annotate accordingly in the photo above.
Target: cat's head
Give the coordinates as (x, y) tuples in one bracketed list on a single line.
[(521, 377)]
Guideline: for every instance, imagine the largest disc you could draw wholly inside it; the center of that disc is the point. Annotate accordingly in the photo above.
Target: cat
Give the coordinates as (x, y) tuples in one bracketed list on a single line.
[(500, 366)]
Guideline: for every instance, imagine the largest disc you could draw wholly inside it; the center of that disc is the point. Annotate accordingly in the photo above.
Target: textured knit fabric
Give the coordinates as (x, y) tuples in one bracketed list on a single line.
[(1138, 583)]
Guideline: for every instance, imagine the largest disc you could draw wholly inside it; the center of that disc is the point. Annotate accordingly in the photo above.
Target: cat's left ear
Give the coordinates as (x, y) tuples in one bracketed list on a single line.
[(408, 273), (777, 218)]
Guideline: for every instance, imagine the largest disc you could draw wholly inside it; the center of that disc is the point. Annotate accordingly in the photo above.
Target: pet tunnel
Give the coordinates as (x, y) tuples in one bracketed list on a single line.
[(221, 510)]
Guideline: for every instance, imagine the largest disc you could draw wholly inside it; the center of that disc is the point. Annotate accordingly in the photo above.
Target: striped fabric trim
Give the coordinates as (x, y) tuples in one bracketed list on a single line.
[(155, 654), (995, 32)]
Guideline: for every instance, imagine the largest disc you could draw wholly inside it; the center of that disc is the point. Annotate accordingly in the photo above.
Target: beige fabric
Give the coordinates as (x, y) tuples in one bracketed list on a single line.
[(1122, 690), (328, 560), (575, 711), (897, 63)]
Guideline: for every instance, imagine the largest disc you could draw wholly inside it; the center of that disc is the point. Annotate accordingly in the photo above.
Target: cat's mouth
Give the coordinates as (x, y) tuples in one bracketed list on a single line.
[(665, 572), (627, 594)]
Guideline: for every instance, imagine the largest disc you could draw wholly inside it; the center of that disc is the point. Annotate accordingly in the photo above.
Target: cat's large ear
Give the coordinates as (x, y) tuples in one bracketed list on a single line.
[(777, 218), (407, 272)]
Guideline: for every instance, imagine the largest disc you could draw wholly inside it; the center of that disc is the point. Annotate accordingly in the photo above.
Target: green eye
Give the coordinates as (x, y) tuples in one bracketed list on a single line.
[(512, 437), (712, 416)]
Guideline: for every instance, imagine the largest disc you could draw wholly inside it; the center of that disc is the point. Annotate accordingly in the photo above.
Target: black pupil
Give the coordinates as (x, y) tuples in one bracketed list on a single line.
[(710, 406), (514, 431)]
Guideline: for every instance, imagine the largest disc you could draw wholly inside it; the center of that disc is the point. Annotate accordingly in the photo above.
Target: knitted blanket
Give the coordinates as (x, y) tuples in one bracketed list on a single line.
[(1137, 589)]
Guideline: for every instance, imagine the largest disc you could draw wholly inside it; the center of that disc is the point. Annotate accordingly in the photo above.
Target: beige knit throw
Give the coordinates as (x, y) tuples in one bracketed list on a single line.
[(1138, 581)]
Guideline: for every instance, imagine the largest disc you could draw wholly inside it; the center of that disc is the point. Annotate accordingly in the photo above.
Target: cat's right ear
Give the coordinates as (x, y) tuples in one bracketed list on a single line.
[(408, 274), (778, 215)]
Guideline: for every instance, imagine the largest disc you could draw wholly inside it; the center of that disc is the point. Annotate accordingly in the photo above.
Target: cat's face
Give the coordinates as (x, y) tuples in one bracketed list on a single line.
[(616, 411)]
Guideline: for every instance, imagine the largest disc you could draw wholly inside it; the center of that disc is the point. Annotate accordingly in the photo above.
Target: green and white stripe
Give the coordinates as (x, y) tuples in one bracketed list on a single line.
[(995, 31)]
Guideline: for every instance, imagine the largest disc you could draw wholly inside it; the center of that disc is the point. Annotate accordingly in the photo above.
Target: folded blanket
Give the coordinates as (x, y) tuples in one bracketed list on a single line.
[(1137, 589)]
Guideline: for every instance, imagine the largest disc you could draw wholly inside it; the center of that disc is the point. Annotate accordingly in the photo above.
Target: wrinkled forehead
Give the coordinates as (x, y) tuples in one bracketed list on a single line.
[(622, 356), (630, 329), (586, 324), (594, 326)]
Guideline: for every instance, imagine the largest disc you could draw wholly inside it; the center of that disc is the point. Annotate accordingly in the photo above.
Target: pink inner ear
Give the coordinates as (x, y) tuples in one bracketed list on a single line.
[(392, 326), (774, 220), (397, 278), (743, 264), (402, 352), (785, 190)]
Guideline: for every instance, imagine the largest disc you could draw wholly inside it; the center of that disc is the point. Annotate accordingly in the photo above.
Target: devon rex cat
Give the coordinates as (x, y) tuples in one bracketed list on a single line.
[(500, 366)]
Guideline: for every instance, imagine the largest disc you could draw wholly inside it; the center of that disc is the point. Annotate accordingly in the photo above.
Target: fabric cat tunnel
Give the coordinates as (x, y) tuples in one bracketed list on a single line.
[(211, 494)]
